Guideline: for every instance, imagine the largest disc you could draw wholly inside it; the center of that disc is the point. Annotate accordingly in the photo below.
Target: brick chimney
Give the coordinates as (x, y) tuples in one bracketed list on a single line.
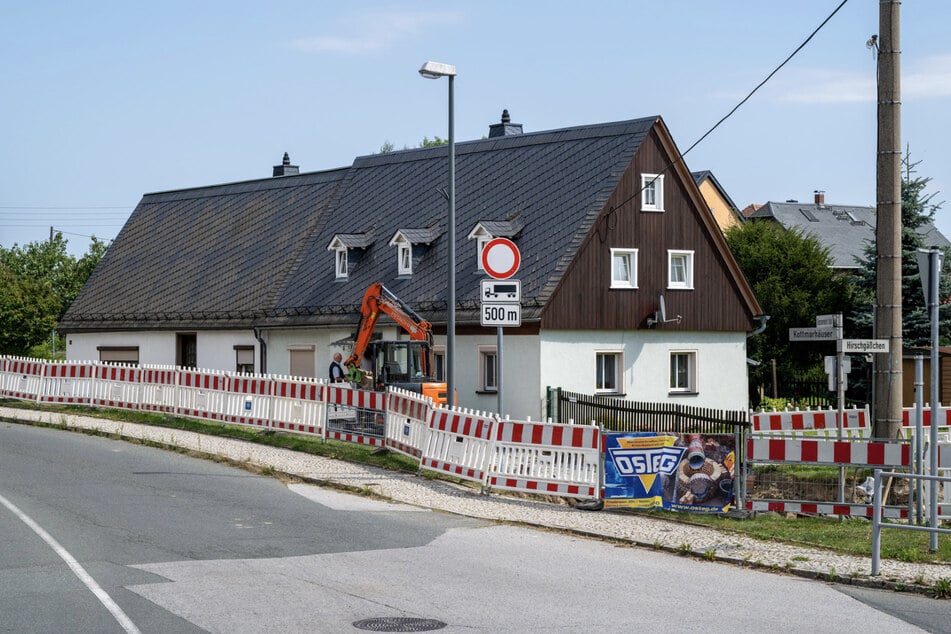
[(285, 168), (505, 128), (820, 197)]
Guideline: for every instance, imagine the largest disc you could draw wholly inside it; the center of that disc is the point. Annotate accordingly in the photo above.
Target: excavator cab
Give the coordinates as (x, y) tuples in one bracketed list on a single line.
[(405, 364)]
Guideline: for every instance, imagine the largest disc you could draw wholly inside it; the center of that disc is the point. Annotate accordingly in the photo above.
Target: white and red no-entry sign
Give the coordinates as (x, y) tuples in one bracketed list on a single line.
[(500, 258)]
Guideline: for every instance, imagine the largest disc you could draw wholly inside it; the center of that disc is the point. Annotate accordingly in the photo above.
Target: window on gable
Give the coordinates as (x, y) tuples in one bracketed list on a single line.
[(652, 192), (342, 261), (488, 370), (623, 268), (608, 372), (679, 269), (683, 371), (481, 240)]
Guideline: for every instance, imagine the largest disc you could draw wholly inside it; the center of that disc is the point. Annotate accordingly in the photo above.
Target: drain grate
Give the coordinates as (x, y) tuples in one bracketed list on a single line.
[(399, 624)]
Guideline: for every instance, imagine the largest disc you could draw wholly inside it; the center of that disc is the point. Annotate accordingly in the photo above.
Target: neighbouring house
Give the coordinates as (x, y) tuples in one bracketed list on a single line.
[(267, 275), (724, 210), (845, 230)]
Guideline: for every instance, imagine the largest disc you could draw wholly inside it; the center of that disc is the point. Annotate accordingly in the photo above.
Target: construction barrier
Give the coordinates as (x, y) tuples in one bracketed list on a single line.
[(356, 416), (117, 386), (158, 391), (548, 458), (68, 383), (298, 405), (823, 423), (459, 443), (247, 400), (407, 422), (23, 378), (202, 394)]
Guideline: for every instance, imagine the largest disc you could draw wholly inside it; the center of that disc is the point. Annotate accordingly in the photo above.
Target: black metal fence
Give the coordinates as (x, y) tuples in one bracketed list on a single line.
[(629, 416)]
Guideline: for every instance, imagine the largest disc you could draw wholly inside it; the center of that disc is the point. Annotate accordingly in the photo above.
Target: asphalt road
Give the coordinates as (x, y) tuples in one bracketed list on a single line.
[(106, 536)]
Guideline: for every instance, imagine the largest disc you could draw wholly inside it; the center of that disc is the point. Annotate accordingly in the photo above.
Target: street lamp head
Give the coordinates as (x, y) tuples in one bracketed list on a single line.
[(435, 70)]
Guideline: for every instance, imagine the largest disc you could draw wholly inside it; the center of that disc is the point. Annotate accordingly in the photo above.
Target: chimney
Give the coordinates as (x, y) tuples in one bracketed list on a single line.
[(285, 168), (505, 128), (820, 197)]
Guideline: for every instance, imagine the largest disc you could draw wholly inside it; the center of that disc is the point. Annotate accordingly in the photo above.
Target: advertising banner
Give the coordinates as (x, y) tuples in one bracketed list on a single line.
[(679, 472)]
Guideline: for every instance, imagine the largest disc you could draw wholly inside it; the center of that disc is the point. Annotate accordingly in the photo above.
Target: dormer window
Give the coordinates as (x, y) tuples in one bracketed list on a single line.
[(652, 192), (347, 247), (487, 230), (410, 244)]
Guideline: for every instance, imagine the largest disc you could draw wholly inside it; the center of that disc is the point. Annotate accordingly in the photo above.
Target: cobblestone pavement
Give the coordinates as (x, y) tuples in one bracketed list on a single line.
[(634, 528)]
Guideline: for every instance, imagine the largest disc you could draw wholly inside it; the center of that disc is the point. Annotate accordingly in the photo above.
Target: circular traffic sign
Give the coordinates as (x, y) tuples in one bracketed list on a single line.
[(500, 258)]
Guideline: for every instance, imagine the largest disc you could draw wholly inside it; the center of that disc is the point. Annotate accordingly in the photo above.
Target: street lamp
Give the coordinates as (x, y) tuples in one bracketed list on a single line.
[(435, 70)]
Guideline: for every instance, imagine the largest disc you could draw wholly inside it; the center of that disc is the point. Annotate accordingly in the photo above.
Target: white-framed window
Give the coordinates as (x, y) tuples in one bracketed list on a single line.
[(244, 359), (623, 268), (405, 255), (608, 372), (679, 269), (342, 263), (488, 369), (683, 371), (652, 192)]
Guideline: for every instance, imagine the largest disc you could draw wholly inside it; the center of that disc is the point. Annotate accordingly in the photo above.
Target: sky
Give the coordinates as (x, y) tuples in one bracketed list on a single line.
[(103, 102)]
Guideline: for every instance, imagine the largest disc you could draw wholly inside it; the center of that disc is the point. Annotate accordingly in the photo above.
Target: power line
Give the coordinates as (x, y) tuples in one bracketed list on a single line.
[(681, 155)]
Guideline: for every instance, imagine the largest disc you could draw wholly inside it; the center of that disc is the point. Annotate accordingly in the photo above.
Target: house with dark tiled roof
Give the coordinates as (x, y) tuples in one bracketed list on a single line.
[(845, 230), (628, 288)]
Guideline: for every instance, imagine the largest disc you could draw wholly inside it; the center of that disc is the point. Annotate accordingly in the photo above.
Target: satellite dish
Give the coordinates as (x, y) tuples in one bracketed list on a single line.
[(660, 315)]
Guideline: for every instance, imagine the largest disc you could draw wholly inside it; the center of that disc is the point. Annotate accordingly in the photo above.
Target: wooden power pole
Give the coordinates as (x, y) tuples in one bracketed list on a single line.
[(888, 378)]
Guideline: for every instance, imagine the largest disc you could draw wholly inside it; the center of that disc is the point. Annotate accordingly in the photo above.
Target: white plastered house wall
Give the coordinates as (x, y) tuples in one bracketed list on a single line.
[(216, 348)]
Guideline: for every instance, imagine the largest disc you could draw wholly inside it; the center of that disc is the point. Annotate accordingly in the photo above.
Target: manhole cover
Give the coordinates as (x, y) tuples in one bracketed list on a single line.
[(399, 624)]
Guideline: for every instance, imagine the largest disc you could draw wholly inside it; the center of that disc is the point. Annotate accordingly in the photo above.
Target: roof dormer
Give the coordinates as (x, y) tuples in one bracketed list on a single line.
[(348, 248), (411, 243), (487, 230)]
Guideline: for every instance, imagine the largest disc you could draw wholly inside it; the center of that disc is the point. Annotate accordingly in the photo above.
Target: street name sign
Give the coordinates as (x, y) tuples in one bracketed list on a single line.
[(815, 334), (829, 321), (865, 346)]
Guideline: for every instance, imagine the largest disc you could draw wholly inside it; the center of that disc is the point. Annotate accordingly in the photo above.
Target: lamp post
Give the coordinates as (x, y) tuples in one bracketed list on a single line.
[(435, 70)]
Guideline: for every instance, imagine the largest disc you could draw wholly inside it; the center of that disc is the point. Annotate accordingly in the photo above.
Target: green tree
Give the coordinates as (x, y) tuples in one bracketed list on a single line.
[(792, 277), (38, 282), (917, 210)]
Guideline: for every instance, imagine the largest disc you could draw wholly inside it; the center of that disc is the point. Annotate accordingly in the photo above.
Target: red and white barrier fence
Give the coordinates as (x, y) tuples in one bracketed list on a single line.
[(407, 422), (811, 422), (547, 458), (459, 443), (828, 452), (68, 383), (355, 416), (297, 405)]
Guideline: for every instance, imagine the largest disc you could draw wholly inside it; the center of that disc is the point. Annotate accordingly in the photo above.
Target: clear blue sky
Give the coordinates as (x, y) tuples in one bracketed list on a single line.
[(103, 102)]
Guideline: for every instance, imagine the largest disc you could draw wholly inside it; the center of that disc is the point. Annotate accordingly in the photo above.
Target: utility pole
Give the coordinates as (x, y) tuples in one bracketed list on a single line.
[(888, 379)]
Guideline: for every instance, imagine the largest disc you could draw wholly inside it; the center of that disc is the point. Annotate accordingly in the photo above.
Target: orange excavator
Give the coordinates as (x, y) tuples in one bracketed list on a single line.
[(407, 364)]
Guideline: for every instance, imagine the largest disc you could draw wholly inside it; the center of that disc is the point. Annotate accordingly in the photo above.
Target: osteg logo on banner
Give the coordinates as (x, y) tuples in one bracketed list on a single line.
[(647, 456)]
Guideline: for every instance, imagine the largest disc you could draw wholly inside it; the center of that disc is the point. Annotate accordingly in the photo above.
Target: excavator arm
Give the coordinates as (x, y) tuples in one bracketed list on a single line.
[(378, 300)]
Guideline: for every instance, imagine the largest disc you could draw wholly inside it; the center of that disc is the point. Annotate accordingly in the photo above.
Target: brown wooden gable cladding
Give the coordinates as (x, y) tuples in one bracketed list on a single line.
[(721, 299)]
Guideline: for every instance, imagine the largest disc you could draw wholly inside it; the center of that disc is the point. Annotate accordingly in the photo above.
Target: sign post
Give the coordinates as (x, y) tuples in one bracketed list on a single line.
[(500, 300)]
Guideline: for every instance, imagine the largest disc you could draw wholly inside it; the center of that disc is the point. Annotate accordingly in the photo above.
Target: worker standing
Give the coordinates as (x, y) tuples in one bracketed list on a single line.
[(337, 373)]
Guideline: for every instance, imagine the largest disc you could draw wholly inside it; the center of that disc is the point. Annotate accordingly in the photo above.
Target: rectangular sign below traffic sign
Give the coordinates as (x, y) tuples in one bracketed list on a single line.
[(500, 314), (829, 321), (815, 334), (865, 346)]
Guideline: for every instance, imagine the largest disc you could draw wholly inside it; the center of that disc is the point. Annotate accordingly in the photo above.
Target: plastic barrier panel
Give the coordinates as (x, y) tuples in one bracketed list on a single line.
[(460, 443), (825, 508), (68, 382), (117, 386), (23, 378), (202, 394), (407, 422), (829, 452), (548, 458), (158, 389), (297, 405), (356, 416), (811, 423), (248, 400)]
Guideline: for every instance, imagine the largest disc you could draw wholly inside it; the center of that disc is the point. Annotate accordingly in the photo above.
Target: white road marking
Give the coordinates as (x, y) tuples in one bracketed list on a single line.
[(339, 501), (76, 567)]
